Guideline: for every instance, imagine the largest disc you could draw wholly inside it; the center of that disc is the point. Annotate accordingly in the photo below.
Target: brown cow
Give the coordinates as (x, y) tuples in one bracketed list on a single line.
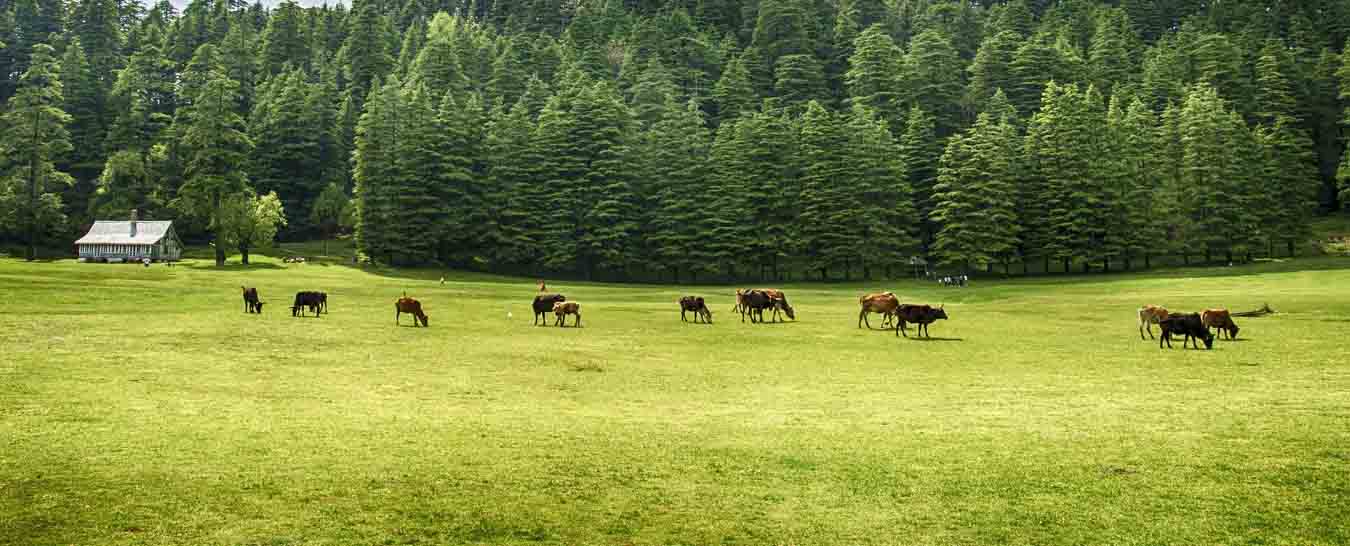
[(698, 306), (1148, 316), (251, 303), (411, 306), (885, 303), (562, 309), (780, 302), (1220, 319)]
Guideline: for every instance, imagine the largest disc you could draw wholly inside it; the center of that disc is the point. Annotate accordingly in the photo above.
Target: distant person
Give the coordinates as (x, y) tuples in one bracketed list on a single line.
[(542, 288)]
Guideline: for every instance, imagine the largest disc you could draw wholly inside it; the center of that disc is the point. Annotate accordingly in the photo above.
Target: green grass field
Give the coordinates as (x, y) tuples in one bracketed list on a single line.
[(142, 406)]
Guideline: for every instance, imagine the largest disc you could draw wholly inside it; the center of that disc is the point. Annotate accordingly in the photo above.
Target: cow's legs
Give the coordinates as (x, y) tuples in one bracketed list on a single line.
[(399, 313), (682, 319), (578, 320), (862, 318)]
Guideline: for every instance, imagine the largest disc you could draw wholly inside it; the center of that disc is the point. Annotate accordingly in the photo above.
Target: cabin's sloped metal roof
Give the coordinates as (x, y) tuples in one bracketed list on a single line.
[(114, 232)]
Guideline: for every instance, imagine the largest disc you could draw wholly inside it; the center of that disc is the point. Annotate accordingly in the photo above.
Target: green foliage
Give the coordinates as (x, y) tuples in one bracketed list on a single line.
[(974, 196), (931, 80), (501, 107), (251, 222), (36, 137), (873, 72), (217, 151)]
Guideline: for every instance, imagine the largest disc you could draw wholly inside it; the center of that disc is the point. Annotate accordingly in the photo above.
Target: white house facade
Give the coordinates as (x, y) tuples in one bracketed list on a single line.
[(132, 240)]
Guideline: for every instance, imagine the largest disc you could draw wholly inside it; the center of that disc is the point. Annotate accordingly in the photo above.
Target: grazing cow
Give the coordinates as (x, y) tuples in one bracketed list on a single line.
[(411, 306), (543, 304), (753, 303), (251, 303), (1220, 319), (1188, 325), (922, 315), (885, 303), (1148, 316), (313, 301), (695, 304), (564, 308), (780, 302)]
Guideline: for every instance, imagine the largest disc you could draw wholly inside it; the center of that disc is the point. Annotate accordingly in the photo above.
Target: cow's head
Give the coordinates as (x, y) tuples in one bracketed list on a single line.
[(939, 313), (258, 306), (423, 317), (1208, 338), (1233, 330)]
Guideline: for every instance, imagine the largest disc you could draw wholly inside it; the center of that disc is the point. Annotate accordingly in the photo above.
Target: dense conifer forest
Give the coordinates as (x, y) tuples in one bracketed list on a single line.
[(685, 140)]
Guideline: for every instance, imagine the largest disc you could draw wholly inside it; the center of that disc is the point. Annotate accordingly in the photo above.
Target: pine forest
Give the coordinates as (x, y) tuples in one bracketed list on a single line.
[(685, 140)]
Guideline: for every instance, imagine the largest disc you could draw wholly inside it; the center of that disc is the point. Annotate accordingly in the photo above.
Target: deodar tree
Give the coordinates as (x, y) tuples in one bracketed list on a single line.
[(35, 138), (217, 149)]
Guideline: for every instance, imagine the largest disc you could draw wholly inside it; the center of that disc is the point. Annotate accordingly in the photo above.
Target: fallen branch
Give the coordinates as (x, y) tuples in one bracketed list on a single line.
[(1263, 311)]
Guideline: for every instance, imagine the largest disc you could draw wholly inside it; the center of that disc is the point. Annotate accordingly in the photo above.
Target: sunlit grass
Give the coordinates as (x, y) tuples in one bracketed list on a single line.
[(142, 406)]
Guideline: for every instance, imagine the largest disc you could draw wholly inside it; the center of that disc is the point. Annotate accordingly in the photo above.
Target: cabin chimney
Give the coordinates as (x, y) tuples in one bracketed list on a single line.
[(133, 222)]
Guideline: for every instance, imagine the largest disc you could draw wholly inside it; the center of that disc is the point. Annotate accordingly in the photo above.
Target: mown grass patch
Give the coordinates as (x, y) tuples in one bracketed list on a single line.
[(142, 406)]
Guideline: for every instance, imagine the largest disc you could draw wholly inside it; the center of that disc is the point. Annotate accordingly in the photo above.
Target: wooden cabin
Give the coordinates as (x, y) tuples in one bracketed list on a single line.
[(132, 240)]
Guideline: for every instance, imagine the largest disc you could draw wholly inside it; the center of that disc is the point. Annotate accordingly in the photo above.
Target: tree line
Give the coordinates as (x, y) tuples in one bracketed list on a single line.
[(685, 140)]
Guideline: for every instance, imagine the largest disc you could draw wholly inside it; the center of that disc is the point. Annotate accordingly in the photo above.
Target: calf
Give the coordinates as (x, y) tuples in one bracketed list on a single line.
[(543, 304), (1188, 325), (251, 303), (1220, 319), (1148, 316), (695, 304), (411, 306), (564, 308), (313, 301), (922, 315), (885, 303)]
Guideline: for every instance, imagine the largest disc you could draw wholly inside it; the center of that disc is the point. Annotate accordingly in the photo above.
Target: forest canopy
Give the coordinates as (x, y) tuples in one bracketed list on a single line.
[(682, 139)]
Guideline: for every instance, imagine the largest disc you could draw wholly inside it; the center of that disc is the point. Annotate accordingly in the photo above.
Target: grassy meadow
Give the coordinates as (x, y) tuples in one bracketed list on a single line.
[(143, 406)]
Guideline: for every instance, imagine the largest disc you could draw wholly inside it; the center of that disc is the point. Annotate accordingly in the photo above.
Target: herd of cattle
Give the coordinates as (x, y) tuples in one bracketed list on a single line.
[(1195, 327)]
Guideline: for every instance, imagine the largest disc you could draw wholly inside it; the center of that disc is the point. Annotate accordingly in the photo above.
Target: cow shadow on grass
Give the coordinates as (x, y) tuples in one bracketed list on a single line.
[(936, 339)]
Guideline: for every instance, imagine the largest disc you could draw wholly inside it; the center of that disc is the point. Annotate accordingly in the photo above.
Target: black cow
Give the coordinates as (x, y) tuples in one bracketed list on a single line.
[(316, 302), (543, 305), (753, 303), (922, 315), (697, 305), (1188, 325), (251, 303)]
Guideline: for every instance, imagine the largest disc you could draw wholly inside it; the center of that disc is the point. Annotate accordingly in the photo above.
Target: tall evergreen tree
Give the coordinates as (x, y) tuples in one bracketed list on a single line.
[(37, 138), (920, 151), (825, 218), (284, 43), (81, 93), (975, 196), (991, 71), (734, 94), (873, 73), (677, 155), (217, 150), (880, 186), (286, 159), (931, 79), (439, 66), (1109, 61)]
